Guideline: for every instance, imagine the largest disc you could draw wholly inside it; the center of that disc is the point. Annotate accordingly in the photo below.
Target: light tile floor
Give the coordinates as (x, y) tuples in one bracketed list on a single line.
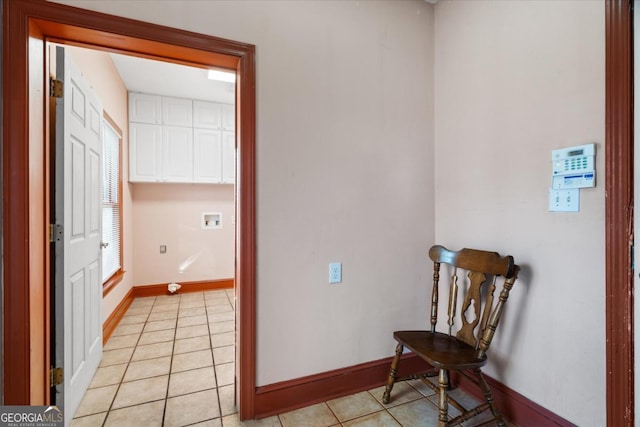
[(170, 363)]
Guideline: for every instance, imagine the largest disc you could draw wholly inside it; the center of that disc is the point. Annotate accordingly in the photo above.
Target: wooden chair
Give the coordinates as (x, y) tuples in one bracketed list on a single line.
[(466, 351)]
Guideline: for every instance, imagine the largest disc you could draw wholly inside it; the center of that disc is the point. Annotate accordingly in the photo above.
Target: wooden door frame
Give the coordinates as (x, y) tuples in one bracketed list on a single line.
[(619, 213), (24, 279), (27, 25)]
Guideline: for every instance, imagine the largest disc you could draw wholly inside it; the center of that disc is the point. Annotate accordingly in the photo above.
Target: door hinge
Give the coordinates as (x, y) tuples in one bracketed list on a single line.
[(56, 376), (56, 88), (55, 233)]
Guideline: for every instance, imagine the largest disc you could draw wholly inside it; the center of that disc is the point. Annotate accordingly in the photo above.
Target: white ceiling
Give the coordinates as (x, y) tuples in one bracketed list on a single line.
[(168, 79)]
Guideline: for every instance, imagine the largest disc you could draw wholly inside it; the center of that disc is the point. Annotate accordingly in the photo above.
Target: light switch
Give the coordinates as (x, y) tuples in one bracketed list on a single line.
[(567, 200)]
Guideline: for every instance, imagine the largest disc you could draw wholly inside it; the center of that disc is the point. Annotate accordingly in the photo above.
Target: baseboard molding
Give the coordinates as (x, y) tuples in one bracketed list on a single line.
[(116, 315), (514, 407), (153, 291), (161, 288), (289, 395)]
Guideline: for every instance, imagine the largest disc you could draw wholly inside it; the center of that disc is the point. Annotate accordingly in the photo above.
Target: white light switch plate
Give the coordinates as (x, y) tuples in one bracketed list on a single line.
[(566, 200)]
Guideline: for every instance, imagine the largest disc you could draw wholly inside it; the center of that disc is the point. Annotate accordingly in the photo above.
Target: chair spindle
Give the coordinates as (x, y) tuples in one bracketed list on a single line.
[(453, 299)]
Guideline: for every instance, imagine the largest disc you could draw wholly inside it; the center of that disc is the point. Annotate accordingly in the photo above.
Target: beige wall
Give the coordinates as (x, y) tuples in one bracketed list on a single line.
[(346, 172), (515, 80), (98, 68), (344, 169), (170, 214)]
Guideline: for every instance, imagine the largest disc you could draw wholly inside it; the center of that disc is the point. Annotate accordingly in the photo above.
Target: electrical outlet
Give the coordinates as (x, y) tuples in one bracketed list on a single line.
[(335, 272), (163, 249)]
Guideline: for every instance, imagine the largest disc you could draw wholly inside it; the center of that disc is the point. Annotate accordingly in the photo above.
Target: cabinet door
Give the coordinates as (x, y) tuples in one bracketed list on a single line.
[(177, 154), (207, 156), (207, 115), (228, 117), (145, 108), (177, 111), (228, 157), (145, 152)]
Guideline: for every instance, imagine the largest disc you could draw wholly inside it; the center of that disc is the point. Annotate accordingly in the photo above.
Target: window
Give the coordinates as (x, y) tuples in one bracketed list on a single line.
[(111, 206)]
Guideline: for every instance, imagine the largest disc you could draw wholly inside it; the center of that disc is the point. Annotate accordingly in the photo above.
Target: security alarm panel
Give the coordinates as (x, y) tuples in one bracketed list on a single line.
[(574, 167)]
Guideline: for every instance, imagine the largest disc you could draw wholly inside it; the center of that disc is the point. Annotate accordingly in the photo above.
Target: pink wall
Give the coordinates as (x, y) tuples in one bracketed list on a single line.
[(344, 154), (345, 149), (515, 80), (170, 214), (167, 214), (98, 68)]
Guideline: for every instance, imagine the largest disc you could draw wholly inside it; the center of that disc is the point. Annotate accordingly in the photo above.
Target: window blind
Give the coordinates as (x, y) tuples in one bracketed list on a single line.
[(111, 202)]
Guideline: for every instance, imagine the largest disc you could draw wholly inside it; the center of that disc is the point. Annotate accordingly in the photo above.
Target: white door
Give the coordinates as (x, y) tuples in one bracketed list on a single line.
[(78, 275)]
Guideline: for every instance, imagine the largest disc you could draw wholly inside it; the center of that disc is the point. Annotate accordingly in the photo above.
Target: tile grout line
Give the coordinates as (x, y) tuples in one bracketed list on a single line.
[(326, 402), (173, 346), (104, 422), (213, 360), (137, 346)]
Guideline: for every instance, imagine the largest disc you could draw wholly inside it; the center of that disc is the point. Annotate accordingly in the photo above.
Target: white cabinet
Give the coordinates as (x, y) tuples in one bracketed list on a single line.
[(229, 117), (145, 152), (177, 154), (212, 115), (214, 142), (177, 112), (145, 108), (180, 140), (207, 163), (228, 157), (207, 115), (160, 153), (214, 156)]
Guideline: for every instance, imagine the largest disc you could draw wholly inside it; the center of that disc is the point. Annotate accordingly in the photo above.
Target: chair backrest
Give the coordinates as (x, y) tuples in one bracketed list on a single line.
[(478, 319)]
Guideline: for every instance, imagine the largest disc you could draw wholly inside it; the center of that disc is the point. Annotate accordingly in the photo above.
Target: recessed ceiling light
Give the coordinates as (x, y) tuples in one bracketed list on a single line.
[(223, 76)]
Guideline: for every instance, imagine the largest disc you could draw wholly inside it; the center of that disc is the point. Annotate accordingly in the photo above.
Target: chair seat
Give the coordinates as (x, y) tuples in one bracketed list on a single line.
[(440, 350)]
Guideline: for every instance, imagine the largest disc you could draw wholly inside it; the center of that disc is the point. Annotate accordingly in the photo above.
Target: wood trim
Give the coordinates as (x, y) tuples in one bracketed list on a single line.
[(297, 393), (82, 27), (300, 392), (116, 316), (516, 408), (152, 291), (112, 282), (619, 213), (161, 288), (246, 232), (15, 226)]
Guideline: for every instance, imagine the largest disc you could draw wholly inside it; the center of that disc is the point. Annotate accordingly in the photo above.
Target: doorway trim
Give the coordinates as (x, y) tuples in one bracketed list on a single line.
[(24, 198), (27, 25), (619, 213)]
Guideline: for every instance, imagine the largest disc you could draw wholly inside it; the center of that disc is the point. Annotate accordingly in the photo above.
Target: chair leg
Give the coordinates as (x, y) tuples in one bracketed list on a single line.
[(443, 403), (393, 374), (487, 395)]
